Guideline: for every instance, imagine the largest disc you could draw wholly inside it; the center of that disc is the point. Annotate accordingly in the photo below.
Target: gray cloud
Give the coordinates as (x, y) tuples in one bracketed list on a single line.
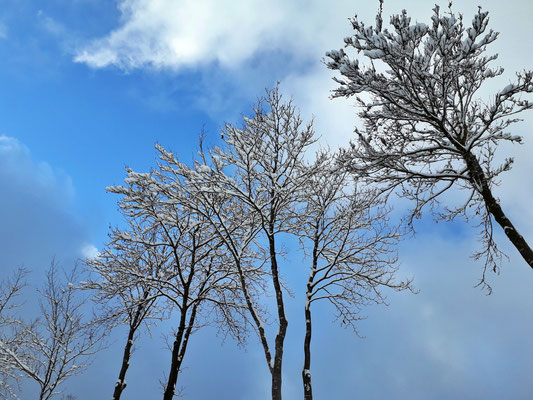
[(36, 216)]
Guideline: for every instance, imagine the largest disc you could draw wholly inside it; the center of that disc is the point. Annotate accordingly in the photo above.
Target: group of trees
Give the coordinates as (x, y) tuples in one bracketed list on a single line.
[(203, 242)]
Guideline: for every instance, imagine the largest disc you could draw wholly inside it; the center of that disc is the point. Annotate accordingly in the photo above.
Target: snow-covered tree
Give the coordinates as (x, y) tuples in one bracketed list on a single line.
[(237, 228), (10, 332), (350, 248), (125, 299), (426, 127), (257, 180), (193, 274), (57, 344)]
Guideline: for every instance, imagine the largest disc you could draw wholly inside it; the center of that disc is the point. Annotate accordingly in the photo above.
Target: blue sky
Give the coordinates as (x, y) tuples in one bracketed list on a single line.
[(88, 87)]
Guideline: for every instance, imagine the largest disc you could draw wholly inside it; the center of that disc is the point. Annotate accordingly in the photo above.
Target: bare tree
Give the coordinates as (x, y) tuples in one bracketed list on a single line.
[(235, 225), (426, 129), (266, 154), (256, 179), (10, 332), (238, 230), (126, 300), (58, 344), (195, 277), (345, 232)]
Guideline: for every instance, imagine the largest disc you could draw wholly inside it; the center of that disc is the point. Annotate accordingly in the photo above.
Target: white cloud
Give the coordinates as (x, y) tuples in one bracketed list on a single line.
[(173, 35), (170, 34), (50, 25), (9, 144), (334, 120), (89, 251)]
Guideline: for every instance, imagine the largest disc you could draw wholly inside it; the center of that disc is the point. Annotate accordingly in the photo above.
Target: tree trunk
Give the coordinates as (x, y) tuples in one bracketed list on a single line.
[(121, 383), (176, 361), (493, 206), (137, 319), (306, 372), (177, 357), (282, 320)]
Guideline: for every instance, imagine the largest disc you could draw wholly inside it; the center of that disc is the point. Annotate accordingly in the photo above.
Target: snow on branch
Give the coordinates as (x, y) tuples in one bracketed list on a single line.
[(426, 129)]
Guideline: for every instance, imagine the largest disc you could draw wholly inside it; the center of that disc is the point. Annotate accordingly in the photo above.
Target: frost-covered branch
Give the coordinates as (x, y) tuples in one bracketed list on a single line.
[(426, 129)]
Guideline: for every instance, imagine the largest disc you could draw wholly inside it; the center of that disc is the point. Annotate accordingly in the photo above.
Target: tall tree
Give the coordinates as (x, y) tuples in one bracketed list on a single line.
[(345, 233), (195, 277), (426, 128), (257, 176), (125, 299)]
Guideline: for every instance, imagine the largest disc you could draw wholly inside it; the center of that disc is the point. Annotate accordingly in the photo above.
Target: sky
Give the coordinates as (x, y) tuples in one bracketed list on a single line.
[(88, 87)]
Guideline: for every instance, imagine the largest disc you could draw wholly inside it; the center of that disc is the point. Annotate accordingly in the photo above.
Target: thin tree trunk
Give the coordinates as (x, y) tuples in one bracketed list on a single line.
[(176, 360), (121, 382), (177, 356), (493, 206), (283, 323), (187, 335), (134, 325), (175, 363), (306, 371)]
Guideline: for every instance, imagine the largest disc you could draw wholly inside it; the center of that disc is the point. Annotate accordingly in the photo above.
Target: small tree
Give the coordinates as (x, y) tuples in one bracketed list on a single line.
[(350, 247), (11, 334), (425, 131), (56, 345)]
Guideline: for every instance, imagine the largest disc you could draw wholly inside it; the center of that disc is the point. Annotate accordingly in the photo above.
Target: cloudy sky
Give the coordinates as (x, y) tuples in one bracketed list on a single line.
[(88, 87)]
